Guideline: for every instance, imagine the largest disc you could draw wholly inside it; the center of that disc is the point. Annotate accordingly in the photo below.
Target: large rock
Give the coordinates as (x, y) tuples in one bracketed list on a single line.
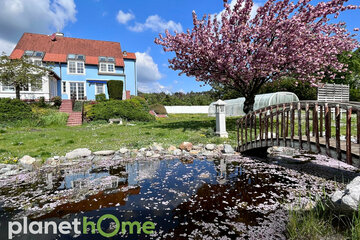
[(228, 149), (348, 200), (104, 153), (27, 162), (78, 153), (210, 147), (186, 146), (123, 150), (156, 147)]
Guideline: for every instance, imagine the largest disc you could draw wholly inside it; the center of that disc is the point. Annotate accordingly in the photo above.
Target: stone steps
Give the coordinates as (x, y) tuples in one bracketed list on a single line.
[(75, 118)]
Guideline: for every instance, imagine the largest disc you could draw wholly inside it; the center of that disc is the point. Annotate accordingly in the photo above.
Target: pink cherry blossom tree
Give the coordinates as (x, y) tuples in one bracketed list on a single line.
[(284, 38)]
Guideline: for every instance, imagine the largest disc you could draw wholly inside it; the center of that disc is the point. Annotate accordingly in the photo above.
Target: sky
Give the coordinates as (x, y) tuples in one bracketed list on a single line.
[(133, 23)]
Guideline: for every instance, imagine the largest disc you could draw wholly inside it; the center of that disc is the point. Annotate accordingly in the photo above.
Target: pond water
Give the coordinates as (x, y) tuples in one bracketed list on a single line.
[(190, 199)]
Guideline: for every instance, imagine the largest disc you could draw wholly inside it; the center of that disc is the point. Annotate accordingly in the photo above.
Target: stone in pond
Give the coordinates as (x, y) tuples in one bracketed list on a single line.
[(27, 162), (78, 153), (186, 146), (348, 200), (104, 153), (210, 147), (228, 149)]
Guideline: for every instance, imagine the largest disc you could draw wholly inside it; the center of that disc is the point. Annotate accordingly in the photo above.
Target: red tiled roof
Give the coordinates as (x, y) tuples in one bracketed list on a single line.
[(130, 56), (57, 51), (17, 53)]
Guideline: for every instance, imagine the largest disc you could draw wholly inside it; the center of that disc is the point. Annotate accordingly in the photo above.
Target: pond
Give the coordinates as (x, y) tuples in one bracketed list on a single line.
[(185, 199)]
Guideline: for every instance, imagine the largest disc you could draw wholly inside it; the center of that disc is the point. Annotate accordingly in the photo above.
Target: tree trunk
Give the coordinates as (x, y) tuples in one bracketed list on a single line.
[(249, 103), (17, 91)]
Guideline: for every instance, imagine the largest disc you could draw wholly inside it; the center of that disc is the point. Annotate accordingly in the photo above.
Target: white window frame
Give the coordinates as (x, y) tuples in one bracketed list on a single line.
[(64, 84), (96, 88), (107, 67), (8, 88), (76, 67)]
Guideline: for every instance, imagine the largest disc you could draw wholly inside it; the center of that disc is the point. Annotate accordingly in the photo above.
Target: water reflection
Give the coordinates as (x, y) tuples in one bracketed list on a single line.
[(181, 197)]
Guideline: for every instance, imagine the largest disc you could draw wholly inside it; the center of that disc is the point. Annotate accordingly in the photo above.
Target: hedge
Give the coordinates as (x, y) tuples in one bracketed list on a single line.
[(14, 110), (132, 110), (158, 109), (115, 89)]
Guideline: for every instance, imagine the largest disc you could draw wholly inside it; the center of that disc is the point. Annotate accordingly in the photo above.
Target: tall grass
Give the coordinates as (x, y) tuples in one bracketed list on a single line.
[(322, 222)]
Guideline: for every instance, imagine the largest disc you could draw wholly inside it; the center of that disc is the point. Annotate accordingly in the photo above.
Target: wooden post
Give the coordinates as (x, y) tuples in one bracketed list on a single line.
[(284, 124), (348, 136), (358, 126), (266, 127), (251, 129), (292, 124), (321, 121), (238, 134), (255, 135), (337, 125), (260, 128), (299, 126), (246, 132), (307, 126), (327, 129), (272, 125), (316, 127), (277, 126)]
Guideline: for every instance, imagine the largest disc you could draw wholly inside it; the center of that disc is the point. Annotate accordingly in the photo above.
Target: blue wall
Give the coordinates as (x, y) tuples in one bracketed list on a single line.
[(91, 73), (131, 76)]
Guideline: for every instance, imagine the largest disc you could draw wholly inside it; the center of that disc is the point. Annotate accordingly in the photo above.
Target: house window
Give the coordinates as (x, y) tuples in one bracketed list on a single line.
[(7, 88), (25, 88), (110, 67), (64, 87), (36, 87), (76, 67), (99, 88), (107, 67), (38, 62)]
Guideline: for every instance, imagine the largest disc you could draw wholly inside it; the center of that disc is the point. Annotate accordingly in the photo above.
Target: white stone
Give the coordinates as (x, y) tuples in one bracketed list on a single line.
[(157, 147), (228, 149), (210, 147), (27, 162), (177, 152), (104, 153), (123, 150), (348, 200), (156, 155), (204, 175), (78, 153), (149, 154)]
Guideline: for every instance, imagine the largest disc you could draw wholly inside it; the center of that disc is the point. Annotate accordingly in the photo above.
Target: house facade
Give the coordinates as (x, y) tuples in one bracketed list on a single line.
[(81, 67)]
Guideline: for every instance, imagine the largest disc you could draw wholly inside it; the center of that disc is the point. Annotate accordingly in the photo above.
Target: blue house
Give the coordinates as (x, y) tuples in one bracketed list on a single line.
[(82, 66)]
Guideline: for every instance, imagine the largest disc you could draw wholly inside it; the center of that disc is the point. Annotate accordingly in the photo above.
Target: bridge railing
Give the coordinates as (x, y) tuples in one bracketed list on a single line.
[(307, 123)]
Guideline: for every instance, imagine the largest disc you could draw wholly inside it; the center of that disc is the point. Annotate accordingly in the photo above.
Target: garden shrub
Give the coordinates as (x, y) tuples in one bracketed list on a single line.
[(355, 95), (158, 109), (115, 89), (131, 110), (49, 117), (57, 101), (14, 110), (100, 97)]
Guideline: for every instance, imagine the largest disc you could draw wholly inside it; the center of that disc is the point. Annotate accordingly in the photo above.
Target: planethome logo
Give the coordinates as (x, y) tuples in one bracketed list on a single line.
[(78, 227)]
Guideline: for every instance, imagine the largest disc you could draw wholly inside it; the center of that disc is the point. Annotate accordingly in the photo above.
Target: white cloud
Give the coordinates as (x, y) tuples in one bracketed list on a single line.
[(156, 24), (232, 5), (37, 16), (123, 17), (6, 47), (148, 74)]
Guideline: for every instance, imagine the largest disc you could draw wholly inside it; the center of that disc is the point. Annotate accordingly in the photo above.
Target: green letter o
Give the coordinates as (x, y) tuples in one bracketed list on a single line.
[(104, 234)]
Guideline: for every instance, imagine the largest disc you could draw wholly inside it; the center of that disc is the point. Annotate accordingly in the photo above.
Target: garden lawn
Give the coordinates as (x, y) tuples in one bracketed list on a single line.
[(53, 141)]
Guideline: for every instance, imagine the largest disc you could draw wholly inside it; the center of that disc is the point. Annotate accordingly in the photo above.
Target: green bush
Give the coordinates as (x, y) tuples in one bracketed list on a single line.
[(57, 101), (158, 109), (115, 89), (100, 97), (131, 110), (14, 110), (355, 95)]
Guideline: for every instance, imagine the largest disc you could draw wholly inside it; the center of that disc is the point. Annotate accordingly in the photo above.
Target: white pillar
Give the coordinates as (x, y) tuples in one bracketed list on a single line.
[(220, 119)]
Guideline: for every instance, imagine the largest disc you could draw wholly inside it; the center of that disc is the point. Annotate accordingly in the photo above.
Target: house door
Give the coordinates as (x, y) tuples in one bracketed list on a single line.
[(77, 90)]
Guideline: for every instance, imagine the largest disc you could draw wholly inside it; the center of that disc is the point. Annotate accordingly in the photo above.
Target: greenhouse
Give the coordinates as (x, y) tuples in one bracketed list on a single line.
[(234, 107)]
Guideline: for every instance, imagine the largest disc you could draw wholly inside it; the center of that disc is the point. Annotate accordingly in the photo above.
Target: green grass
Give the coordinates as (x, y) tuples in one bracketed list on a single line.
[(322, 222), (44, 142)]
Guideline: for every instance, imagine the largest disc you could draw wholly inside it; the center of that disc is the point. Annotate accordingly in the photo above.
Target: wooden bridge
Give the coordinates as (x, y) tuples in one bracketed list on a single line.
[(320, 127)]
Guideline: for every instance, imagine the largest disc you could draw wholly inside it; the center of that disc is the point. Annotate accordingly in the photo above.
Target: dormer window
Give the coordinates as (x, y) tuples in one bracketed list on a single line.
[(34, 54), (76, 64), (106, 64)]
